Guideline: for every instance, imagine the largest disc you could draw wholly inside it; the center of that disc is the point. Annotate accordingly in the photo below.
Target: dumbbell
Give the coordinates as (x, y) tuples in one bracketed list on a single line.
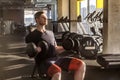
[(72, 42), (44, 46), (65, 35), (67, 43), (77, 39), (47, 50), (31, 48)]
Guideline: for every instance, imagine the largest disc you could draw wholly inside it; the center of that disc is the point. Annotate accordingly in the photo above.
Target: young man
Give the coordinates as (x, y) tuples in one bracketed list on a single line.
[(53, 70)]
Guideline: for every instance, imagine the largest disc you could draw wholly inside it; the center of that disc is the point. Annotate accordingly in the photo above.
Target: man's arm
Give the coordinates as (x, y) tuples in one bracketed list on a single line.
[(28, 39), (59, 49)]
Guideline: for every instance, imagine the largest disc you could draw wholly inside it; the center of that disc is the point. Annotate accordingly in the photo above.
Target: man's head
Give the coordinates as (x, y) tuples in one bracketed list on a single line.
[(41, 18)]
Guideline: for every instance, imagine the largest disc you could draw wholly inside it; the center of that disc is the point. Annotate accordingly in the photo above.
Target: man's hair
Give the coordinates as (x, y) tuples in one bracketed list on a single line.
[(37, 14)]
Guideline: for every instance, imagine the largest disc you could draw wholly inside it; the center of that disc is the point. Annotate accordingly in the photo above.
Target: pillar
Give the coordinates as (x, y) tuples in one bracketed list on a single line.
[(73, 15), (111, 32), (59, 6), (63, 8)]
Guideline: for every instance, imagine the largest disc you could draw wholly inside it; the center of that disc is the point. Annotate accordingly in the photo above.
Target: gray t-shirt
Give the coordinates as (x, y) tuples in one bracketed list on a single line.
[(49, 37)]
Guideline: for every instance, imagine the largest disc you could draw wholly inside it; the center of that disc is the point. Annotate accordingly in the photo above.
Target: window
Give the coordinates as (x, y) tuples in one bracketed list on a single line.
[(87, 6), (84, 10), (92, 5), (29, 17)]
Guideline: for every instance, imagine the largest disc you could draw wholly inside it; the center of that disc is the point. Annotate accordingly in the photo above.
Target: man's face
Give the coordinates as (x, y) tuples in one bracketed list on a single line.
[(42, 20)]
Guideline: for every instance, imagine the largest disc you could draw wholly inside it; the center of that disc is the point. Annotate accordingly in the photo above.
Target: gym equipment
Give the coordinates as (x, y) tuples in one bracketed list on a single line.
[(65, 35), (77, 39), (31, 49), (95, 22), (70, 42), (86, 46), (44, 46), (92, 26), (109, 60), (89, 48), (63, 24)]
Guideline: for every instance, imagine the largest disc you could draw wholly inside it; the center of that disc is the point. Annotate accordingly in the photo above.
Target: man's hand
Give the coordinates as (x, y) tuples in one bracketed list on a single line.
[(38, 49)]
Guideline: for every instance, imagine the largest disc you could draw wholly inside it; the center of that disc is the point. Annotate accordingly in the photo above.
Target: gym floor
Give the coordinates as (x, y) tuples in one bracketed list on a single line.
[(16, 65)]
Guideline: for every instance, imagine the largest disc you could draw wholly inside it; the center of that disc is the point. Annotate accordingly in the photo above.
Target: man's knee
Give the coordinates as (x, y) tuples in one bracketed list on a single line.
[(53, 69), (76, 64)]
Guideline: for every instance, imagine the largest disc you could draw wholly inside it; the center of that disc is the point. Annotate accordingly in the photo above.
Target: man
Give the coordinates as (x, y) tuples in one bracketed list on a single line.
[(53, 70)]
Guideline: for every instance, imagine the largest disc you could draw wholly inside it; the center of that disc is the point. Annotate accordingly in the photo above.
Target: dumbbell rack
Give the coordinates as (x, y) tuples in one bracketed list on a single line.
[(84, 46)]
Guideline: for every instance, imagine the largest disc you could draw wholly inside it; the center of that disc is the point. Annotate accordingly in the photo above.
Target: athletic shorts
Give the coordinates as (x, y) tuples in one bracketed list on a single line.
[(65, 64)]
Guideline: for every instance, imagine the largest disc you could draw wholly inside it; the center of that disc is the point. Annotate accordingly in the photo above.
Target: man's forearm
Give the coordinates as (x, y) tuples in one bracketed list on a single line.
[(59, 49)]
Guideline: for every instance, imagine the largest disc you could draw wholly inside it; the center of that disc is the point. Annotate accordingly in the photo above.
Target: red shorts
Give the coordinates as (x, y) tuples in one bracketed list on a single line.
[(61, 63), (69, 63)]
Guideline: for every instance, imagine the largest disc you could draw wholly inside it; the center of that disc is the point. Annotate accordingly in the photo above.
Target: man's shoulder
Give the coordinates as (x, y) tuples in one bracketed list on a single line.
[(49, 31), (34, 34)]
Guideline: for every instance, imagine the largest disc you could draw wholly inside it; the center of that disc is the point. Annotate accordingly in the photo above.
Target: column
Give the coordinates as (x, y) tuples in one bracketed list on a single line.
[(59, 8), (63, 8), (111, 32), (73, 15)]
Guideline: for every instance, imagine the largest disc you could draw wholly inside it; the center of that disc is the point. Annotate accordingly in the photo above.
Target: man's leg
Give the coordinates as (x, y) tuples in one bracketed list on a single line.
[(79, 67), (73, 64), (54, 71)]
